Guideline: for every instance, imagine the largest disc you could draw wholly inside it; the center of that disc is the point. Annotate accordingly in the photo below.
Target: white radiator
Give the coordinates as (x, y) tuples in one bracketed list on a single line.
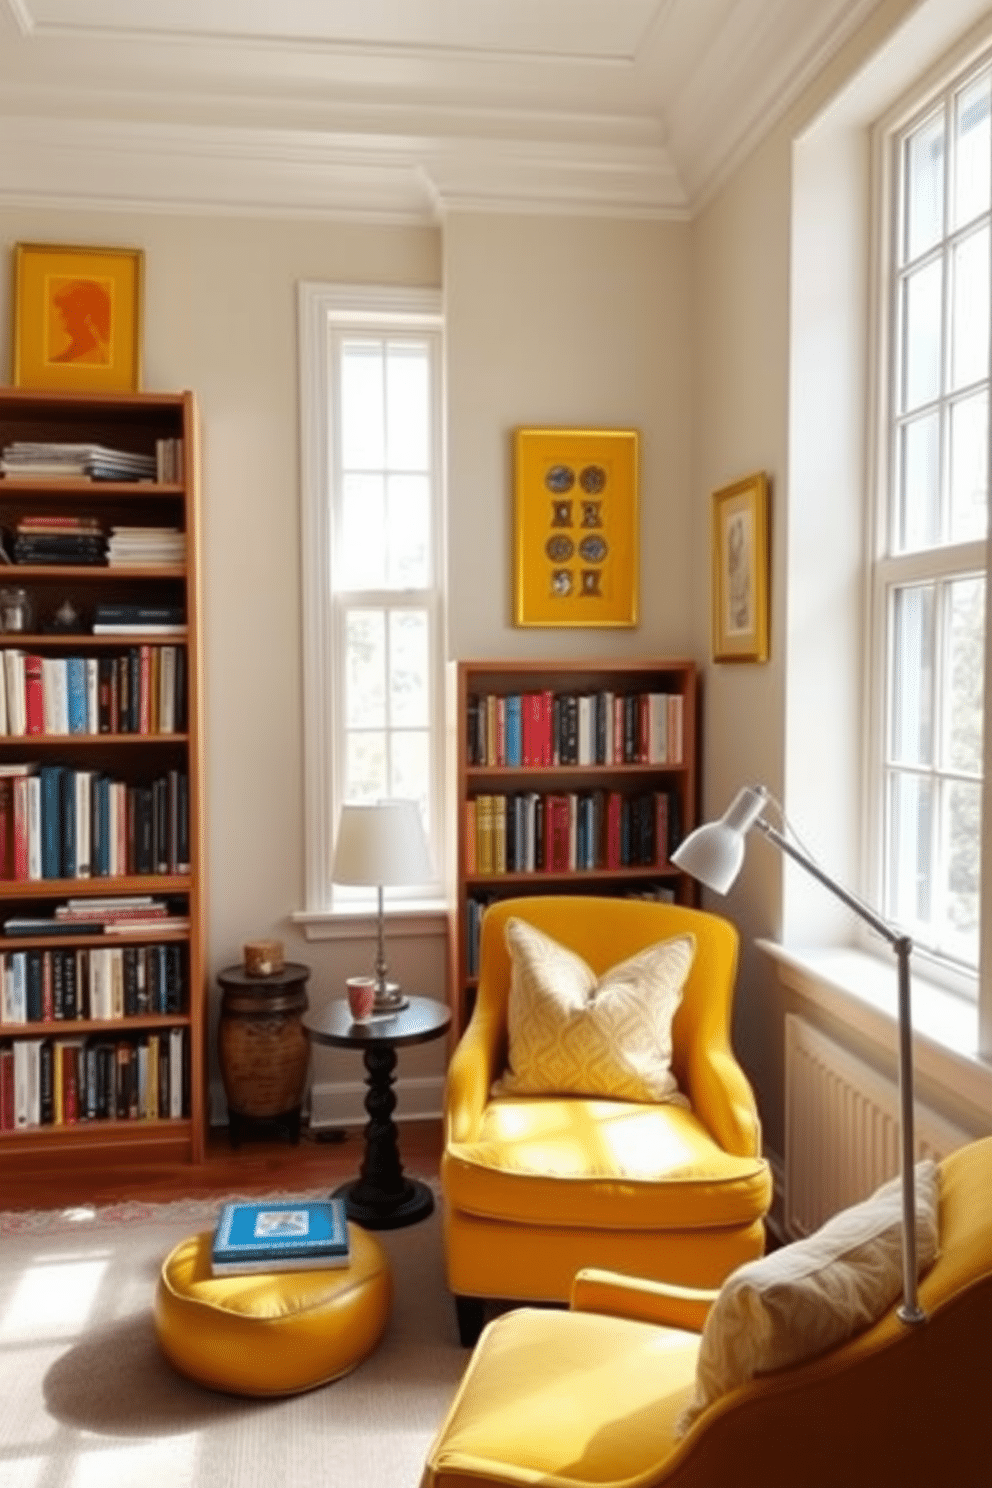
[(842, 1128)]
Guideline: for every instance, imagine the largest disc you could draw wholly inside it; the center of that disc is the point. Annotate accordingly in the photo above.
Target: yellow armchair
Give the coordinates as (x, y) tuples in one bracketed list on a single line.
[(537, 1187), (591, 1396)]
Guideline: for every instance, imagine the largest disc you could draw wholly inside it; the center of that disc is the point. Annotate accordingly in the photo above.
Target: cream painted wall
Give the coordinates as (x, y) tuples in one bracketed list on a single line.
[(582, 323), (780, 286), (220, 318)]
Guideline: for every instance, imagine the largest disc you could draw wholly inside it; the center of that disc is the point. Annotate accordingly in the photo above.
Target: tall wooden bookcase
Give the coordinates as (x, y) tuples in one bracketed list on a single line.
[(112, 1133), (630, 799)]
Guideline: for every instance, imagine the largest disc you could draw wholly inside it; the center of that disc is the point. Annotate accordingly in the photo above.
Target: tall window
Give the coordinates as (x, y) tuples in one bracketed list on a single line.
[(929, 592), (372, 558)]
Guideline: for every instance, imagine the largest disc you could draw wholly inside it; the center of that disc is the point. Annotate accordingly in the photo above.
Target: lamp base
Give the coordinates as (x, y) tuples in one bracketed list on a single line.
[(389, 1000)]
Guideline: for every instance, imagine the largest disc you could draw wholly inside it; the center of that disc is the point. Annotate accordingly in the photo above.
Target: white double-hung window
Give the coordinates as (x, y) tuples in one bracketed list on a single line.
[(929, 590), (371, 363)]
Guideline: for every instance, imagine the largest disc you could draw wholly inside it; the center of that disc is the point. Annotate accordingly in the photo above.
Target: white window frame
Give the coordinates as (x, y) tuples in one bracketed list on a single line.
[(323, 309), (938, 563)]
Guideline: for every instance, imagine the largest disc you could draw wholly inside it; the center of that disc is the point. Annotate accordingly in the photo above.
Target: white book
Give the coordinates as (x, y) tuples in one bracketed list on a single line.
[(55, 694), (18, 996), (84, 781), (167, 690), (657, 728), (34, 826), (17, 718), (34, 1081), (175, 1072), (100, 1000), (22, 1055), (586, 740), (92, 695)]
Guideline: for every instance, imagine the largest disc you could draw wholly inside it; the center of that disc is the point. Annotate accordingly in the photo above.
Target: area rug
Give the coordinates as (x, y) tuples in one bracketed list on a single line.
[(88, 1401)]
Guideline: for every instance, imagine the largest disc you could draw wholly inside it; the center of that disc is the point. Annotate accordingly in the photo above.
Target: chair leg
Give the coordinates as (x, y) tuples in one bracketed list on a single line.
[(471, 1314)]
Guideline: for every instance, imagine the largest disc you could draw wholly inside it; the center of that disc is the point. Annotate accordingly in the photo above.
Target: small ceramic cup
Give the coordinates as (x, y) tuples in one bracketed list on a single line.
[(361, 998)]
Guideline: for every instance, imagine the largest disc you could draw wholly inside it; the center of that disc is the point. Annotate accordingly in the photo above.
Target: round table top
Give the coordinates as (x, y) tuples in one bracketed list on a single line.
[(421, 1020), (236, 976)]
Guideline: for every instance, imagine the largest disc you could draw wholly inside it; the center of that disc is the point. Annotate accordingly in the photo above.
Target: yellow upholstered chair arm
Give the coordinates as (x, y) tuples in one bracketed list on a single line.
[(474, 1066), (641, 1301), (722, 1098)]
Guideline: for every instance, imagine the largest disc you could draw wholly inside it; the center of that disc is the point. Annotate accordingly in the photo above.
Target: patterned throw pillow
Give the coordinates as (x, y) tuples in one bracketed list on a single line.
[(812, 1295), (572, 1033)]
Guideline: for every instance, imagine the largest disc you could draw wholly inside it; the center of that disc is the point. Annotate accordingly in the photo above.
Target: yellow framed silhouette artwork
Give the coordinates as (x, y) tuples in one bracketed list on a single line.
[(77, 317), (740, 570)]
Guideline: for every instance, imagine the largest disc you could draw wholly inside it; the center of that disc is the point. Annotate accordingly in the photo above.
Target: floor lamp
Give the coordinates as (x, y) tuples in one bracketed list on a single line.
[(713, 854)]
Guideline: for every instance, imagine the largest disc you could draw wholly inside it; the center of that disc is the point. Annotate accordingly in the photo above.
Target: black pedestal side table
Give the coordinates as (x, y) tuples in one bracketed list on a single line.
[(381, 1197)]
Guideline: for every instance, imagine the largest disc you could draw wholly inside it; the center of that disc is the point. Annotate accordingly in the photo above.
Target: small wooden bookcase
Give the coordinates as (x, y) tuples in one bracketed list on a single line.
[(566, 777)]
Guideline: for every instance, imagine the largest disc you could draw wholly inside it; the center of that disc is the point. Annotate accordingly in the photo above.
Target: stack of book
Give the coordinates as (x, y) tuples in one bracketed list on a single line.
[(43, 460), (132, 619), (52, 539), (145, 547), (298, 1235)]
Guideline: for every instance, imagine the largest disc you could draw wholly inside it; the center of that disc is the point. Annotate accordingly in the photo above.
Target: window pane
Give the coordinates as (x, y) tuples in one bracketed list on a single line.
[(365, 669), (970, 312), (924, 187), (963, 857), (966, 670), (921, 336), (363, 532), (972, 163), (409, 532), (365, 767), (408, 411), (969, 468), (910, 849), (362, 428), (410, 777), (911, 741), (409, 664), (918, 520)]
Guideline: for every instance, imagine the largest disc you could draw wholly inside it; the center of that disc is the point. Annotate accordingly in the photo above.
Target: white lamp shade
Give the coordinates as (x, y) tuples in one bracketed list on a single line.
[(381, 844), (713, 853)]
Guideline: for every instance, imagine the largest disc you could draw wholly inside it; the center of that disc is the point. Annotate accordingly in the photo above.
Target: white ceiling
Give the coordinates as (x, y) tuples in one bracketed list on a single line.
[(401, 109)]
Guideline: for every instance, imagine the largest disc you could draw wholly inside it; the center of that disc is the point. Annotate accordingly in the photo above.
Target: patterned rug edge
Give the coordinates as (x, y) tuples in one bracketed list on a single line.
[(135, 1211)]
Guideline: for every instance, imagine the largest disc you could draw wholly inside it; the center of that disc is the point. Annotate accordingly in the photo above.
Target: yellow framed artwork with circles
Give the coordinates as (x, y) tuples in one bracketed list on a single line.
[(576, 527), (740, 570), (77, 318)]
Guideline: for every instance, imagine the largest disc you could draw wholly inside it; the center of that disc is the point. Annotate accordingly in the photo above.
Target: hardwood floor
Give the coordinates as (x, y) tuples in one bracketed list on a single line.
[(257, 1166)]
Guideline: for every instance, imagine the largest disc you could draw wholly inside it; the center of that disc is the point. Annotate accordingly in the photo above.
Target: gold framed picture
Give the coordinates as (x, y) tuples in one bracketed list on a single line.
[(77, 317), (575, 521), (740, 570)]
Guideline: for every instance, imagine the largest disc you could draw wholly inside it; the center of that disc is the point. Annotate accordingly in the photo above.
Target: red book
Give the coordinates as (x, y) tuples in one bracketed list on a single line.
[(547, 728), (34, 701), (6, 827), (145, 691), (534, 714), (6, 1090), (47, 993), (614, 809), (661, 828), (21, 833), (557, 833)]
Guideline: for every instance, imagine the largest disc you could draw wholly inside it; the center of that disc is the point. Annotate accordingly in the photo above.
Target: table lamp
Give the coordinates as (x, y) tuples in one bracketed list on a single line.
[(713, 854), (382, 845)]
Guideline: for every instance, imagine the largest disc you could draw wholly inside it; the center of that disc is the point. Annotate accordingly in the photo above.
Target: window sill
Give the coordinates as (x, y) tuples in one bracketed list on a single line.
[(859, 990), (359, 922)]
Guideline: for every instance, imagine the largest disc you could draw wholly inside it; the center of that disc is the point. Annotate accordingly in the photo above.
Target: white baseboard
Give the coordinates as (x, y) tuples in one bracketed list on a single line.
[(342, 1103)]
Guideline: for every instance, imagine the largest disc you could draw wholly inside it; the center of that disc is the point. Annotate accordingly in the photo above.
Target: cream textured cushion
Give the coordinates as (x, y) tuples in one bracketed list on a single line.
[(812, 1295), (573, 1034)]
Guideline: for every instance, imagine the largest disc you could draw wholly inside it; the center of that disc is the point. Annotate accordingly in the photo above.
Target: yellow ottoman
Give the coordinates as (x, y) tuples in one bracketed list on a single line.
[(277, 1332)]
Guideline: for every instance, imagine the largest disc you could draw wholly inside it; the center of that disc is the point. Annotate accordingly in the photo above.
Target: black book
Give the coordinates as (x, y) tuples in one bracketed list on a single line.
[(46, 1082), (143, 830), (71, 999), (129, 962), (34, 988), (173, 978)]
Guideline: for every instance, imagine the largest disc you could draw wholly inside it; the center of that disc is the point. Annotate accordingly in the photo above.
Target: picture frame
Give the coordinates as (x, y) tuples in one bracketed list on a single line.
[(77, 321), (576, 557), (740, 570)]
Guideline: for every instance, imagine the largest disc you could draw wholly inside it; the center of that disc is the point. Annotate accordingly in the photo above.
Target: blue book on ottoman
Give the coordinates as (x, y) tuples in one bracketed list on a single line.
[(293, 1235)]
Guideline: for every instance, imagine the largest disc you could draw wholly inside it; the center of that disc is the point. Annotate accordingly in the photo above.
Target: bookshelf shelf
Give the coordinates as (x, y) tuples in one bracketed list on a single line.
[(627, 771), (122, 1015)]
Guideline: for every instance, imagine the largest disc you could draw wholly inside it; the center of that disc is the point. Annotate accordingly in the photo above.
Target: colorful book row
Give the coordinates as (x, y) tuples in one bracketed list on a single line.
[(475, 908), (527, 832), (57, 822), (97, 982), (62, 1081), (563, 728), (139, 691)]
